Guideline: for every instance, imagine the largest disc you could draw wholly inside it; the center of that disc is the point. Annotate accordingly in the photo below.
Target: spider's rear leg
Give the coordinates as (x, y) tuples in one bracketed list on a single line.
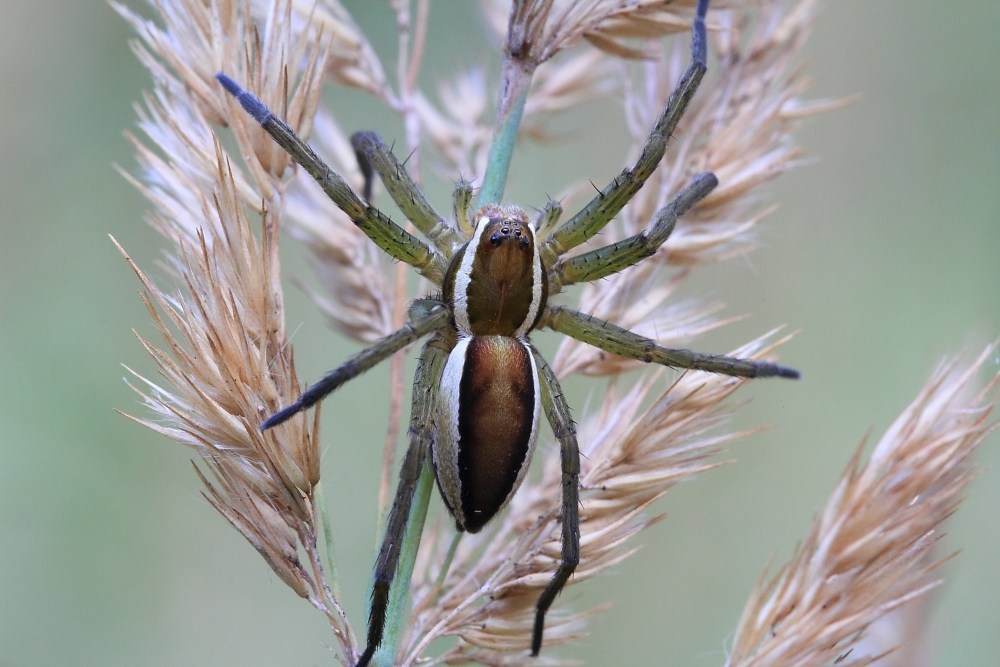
[(386, 234), (426, 383), (558, 414), (616, 257), (425, 316), (606, 205), (616, 340)]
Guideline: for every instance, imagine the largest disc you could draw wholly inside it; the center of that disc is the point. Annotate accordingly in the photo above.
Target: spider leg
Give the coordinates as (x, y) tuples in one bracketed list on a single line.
[(423, 320), (616, 257), (425, 387), (461, 199), (624, 343), (386, 234), (609, 201), (558, 414), (370, 149), (547, 218)]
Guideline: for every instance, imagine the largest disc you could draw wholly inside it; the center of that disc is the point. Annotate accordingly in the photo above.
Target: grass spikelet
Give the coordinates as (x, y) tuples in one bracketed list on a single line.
[(229, 365), (868, 551)]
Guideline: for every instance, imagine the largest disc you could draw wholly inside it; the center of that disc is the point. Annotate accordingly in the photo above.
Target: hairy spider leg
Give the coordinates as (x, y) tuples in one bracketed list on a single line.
[(609, 201), (386, 234), (616, 257), (429, 316), (426, 383), (461, 200), (616, 340), (548, 217), (561, 421), (372, 152)]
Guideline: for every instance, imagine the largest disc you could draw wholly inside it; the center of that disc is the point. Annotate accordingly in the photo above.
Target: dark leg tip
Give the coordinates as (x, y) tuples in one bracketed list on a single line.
[(366, 657), (229, 84), (774, 370), (250, 102), (790, 373), (708, 180), (536, 635), (281, 416)]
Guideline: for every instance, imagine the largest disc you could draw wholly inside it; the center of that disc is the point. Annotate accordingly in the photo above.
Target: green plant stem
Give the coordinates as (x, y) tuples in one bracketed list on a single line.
[(386, 653), (495, 180), (328, 536), (515, 82), (450, 556)]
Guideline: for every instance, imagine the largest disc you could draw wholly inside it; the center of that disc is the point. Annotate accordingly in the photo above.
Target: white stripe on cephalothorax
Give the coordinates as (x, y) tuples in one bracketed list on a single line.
[(444, 448), (536, 290), (463, 278)]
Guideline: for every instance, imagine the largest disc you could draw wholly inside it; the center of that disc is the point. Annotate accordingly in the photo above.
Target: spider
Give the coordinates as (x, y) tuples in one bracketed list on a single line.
[(480, 384)]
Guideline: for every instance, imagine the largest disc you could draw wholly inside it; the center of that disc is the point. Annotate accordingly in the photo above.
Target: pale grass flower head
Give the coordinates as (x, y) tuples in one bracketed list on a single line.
[(873, 547)]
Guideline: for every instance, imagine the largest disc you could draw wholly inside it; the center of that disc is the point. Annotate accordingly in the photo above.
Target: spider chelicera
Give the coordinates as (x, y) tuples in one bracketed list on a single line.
[(480, 384)]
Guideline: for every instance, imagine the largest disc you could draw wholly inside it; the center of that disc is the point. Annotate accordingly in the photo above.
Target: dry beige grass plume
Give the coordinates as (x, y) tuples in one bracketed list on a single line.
[(227, 363), (868, 551)]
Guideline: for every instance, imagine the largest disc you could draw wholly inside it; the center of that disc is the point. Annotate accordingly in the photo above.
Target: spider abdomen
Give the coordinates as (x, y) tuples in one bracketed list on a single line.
[(489, 405)]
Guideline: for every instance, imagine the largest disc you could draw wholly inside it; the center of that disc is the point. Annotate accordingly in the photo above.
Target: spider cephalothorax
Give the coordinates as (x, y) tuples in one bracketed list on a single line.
[(480, 385), (496, 281)]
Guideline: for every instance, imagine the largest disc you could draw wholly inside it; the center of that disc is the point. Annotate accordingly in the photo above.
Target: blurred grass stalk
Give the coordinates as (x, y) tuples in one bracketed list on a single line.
[(227, 363)]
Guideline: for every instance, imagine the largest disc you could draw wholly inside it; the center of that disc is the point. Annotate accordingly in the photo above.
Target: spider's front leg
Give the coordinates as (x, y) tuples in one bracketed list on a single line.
[(461, 199), (373, 153), (616, 340), (561, 421), (426, 315), (609, 201), (616, 257), (386, 234), (426, 384)]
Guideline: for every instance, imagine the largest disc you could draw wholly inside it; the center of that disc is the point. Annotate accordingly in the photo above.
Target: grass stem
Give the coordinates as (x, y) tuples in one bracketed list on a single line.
[(331, 561), (395, 616), (513, 95)]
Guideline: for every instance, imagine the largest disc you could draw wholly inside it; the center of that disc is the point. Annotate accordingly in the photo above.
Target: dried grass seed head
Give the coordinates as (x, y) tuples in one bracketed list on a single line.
[(226, 355), (868, 551), (228, 366)]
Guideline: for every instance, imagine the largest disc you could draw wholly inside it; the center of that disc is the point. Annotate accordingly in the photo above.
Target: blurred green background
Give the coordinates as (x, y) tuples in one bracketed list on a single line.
[(884, 252)]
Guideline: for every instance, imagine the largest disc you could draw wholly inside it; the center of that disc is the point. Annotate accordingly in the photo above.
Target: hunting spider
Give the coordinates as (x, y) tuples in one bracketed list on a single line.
[(480, 384)]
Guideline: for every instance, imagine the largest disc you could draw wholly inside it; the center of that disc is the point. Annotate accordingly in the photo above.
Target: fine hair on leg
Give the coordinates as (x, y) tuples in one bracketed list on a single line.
[(616, 340), (595, 215), (432, 319)]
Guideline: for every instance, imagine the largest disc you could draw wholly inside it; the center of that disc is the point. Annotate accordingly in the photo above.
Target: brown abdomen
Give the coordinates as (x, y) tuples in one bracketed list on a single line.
[(495, 419)]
